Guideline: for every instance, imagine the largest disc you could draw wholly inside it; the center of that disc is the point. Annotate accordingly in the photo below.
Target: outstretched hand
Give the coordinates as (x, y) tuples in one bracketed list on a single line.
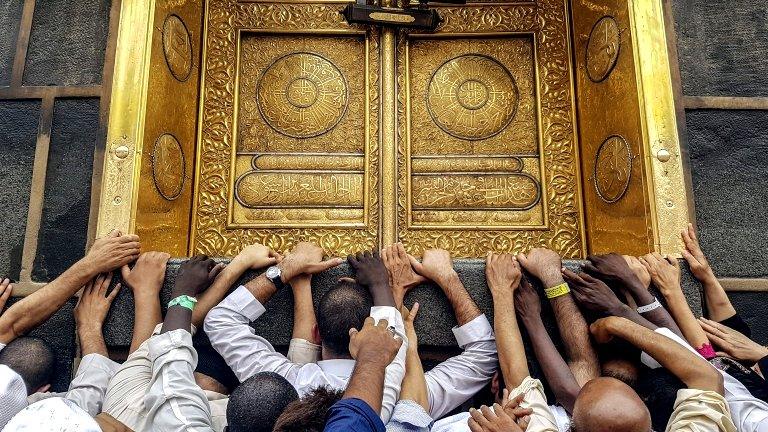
[(94, 302), (256, 256), (732, 343), (371, 273), (509, 418), (502, 271), (592, 293), (147, 275), (402, 277), (112, 252), (374, 343), (665, 273), (543, 264), (436, 265), (613, 269), (695, 256), (527, 302), (306, 258), (195, 276)]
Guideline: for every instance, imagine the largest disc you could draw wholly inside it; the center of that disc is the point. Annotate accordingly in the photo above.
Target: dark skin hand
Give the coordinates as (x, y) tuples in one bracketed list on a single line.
[(195, 276), (594, 295), (371, 273)]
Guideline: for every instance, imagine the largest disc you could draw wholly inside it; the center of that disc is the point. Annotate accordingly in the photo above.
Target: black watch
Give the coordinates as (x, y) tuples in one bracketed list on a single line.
[(275, 275)]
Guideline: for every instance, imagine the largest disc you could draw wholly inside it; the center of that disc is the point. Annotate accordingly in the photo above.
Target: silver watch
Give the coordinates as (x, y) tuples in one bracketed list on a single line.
[(275, 275)]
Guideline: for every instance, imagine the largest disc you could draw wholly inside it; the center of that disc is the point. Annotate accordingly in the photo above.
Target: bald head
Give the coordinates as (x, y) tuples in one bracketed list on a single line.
[(608, 405)]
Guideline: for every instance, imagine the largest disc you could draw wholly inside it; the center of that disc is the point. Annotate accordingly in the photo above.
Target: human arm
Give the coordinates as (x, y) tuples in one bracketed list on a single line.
[(614, 269), (145, 280), (557, 372), (687, 366), (105, 255), (402, 276), (436, 265), (253, 257), (91, 311), (414, 386), (545, 264), (304, 319), (594, 295), (719, 306), (733, 343), (665, 274), (194, 277), (6, 289), (503, 275)]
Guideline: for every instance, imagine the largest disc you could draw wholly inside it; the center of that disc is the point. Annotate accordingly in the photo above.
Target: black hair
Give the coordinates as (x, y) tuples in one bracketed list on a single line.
[(309, 413), (255, 405), (32, 358), (658, 389), (345, 306)]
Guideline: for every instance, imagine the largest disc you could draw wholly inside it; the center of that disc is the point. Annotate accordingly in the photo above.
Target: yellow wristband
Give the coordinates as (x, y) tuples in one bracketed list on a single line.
[(557, 290)]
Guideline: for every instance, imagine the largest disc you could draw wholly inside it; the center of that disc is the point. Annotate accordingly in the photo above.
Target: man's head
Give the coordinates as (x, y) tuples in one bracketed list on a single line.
[(33, 359), (256, 404), (345, 306), (309, 413), (607, 405)]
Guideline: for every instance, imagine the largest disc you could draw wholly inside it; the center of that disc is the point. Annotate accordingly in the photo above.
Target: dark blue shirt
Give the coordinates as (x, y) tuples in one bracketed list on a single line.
[(353, 415)]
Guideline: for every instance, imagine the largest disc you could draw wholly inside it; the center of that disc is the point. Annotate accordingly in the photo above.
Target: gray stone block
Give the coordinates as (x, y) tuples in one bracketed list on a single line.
[(10, 17), (751, 308), (18, 137), (64, 222), (67, 42), (722, 47), (729, 170)]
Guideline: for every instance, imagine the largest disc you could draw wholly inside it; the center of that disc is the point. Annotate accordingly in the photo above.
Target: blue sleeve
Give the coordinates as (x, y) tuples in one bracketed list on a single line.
[(353, 415)]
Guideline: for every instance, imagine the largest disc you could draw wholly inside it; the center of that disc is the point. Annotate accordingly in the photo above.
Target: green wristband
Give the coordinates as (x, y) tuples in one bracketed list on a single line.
[(184, 301)]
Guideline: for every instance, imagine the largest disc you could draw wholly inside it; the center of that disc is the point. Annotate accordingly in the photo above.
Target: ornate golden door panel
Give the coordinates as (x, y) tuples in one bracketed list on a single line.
[(289, 137), (488, 158), (357, 136)]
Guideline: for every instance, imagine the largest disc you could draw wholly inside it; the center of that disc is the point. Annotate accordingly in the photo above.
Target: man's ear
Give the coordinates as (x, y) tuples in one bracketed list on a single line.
[(43, 389), (347, 279), (316, 335)]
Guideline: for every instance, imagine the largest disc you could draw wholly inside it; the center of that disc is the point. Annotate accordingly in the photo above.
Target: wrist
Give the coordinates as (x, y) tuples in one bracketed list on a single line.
[(87, 267), (445, 281), (551, 278), (619, 310)]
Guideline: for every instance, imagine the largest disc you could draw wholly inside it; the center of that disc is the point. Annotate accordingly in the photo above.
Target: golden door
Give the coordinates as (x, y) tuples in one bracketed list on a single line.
[(354, 136)]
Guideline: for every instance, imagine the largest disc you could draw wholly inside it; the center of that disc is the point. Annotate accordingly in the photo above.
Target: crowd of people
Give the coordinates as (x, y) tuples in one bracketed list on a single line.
[(618, 359)]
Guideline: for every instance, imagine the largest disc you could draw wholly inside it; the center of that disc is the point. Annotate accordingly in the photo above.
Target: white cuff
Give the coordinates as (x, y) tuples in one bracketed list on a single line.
[(477, 330), (244, 302)]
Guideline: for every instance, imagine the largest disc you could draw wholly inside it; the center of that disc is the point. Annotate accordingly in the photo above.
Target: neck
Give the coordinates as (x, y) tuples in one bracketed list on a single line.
[(330, 355)]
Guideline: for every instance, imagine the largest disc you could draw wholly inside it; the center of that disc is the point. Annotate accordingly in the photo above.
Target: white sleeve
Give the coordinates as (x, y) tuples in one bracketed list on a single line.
[(395, 372), (174, 402), (457, 379), (228, 328), (653, 364), (89, 386)]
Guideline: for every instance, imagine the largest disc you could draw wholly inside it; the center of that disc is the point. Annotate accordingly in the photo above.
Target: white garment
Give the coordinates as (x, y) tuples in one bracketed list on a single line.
[(175, 403), (456, 380), (542, 419), (2, 345), (52, 415), (227, 326), (749, 414), (88, 388), (13, 394)]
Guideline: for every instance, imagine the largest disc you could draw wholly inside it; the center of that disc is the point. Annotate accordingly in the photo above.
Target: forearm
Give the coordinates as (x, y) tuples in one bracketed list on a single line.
[(463, 306), (509, 342), (557, 373), (36, 308), (582, 358), (658, 316), (367, 384), (91, 340), (630, 314), (414, 386), (693, 370), (147, 316), (689, 325), (261, 288), (213, 295), (176, 318), (304, 318), (719, 306)]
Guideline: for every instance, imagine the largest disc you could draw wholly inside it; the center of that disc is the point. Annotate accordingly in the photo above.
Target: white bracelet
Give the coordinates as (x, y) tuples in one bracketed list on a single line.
[(649, 307)]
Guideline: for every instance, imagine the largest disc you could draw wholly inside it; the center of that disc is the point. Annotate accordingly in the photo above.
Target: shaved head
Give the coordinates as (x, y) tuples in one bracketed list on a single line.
[(608, 405)]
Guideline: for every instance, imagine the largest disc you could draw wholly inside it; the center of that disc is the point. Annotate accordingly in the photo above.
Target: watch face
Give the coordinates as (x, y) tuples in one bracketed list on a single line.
[(273, 272)]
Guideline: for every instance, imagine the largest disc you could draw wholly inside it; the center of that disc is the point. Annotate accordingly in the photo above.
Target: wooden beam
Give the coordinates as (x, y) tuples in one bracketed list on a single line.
[(726, 102), (744, 285), (43, 92), (37, 191), (22, 43)]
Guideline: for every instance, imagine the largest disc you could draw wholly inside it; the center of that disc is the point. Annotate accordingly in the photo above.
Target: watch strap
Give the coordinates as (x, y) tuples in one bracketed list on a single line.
[(184, 301)]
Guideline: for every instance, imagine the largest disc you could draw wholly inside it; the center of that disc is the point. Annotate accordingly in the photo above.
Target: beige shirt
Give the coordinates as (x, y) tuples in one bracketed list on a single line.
[(700, 411)]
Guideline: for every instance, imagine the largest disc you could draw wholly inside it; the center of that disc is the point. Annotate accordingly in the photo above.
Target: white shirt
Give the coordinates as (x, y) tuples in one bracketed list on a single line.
[(52, 415), (88, 388), (749, 414), (13, 394), (174, 402), (247, 354), (456, 380)]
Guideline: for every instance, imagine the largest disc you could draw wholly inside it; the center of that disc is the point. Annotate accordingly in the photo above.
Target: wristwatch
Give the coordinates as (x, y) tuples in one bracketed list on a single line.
[(275, 275)]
